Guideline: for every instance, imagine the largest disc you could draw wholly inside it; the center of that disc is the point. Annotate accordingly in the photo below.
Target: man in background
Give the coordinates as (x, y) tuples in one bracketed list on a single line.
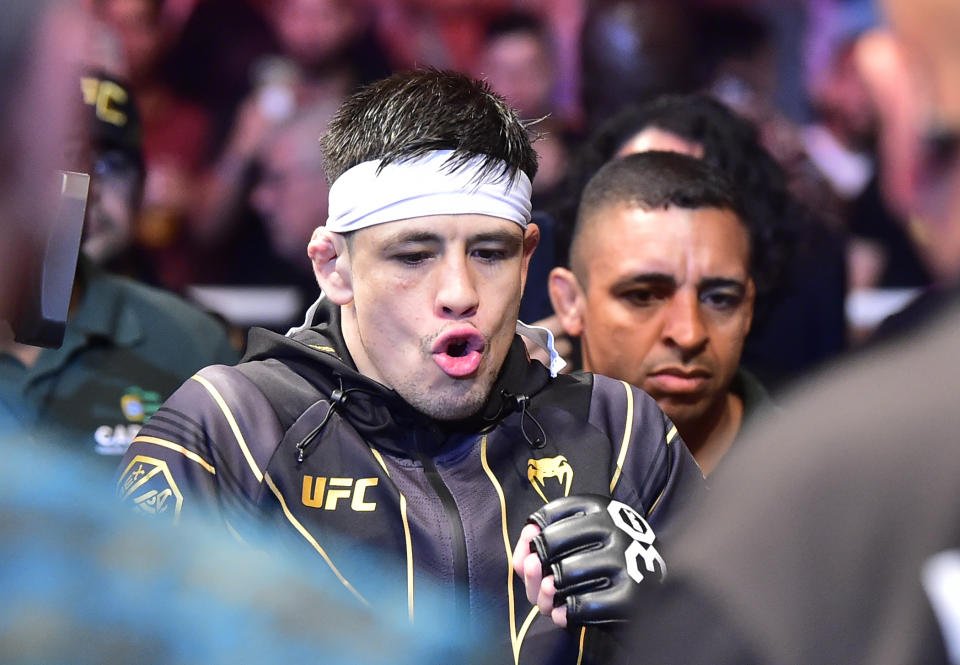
[(290, 196), (126, 346), (660, 293), (518, 61)]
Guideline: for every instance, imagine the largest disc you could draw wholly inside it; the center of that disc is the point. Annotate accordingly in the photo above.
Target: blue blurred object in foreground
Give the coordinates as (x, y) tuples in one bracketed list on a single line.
[(85, 582)]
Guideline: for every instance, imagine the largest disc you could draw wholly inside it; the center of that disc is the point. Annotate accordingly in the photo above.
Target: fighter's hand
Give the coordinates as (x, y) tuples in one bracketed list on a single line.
[(539, 589), (601, 555)]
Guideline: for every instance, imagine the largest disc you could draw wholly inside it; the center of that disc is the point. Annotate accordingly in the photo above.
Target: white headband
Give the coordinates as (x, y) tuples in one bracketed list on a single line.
[(427, 185)]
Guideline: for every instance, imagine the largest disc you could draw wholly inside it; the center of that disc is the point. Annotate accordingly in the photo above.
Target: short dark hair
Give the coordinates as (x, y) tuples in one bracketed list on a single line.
[(410, 114), (655, 180)]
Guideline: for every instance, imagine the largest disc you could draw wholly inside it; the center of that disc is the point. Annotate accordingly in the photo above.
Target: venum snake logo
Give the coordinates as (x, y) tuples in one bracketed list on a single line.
[(539, 470)]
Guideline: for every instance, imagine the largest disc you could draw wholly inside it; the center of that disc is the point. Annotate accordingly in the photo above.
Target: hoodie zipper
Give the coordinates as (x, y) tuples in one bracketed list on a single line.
[(461, 576)]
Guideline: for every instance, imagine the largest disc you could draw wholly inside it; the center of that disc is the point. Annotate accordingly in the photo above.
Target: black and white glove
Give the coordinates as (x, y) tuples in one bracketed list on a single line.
[(601, 554)]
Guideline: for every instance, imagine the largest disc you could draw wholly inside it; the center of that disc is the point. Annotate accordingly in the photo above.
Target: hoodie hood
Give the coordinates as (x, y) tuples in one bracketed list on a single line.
[(319, 354)]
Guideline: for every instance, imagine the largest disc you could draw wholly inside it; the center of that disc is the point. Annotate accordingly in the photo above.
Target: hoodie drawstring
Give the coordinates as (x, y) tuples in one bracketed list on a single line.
[(539, 439), (337, 398)]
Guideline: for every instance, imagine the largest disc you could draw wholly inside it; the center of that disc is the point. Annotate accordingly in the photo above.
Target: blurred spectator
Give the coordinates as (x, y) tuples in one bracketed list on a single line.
[(563, 22), (843, 146), (841, 142), (291, 192), (127, 346), (116, 189), (661, 292), (175, 138), (326, 49), (737, 59), (287, 201), (328, 46), (212, 57), (925, 57), (798, 265), (907, 164), (517, 60), (632, 52), (445, 34)]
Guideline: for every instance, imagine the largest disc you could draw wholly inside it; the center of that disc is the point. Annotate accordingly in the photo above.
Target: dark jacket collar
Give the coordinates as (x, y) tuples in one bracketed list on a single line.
[(319, 354), (102, 311)]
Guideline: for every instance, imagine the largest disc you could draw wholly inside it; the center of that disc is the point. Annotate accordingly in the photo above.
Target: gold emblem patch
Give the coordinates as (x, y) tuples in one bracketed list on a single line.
[(538, 470), (148, 486)]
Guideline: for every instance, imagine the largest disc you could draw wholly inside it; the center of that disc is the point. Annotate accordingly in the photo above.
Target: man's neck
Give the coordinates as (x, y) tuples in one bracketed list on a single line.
[(354, 343), (711, 436)]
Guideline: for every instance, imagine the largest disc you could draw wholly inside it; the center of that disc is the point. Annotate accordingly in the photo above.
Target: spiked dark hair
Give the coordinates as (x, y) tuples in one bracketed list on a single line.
[(410, 114), (653, 181)]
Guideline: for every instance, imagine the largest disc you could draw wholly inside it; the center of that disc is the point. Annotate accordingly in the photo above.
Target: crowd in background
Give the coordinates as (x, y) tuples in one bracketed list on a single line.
[(232, 94)]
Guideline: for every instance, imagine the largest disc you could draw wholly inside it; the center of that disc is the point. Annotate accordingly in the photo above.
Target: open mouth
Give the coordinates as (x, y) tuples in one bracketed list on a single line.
[(458, 348), (459, 352)]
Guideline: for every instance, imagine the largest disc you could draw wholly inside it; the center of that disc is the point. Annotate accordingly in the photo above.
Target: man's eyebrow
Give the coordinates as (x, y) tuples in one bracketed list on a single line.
[(402, 237), (504, 237), (411, 236), (722, 283), (658, 278)]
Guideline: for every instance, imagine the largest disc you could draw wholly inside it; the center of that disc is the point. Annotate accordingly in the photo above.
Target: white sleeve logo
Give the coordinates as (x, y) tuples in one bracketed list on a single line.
[(641, 549)]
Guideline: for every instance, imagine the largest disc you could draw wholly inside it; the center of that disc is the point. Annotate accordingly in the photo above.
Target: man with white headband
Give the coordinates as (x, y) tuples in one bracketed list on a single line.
[(406, 415)]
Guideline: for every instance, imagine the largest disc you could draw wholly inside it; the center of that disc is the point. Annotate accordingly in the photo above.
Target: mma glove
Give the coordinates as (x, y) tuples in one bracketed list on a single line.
[(601, 554)]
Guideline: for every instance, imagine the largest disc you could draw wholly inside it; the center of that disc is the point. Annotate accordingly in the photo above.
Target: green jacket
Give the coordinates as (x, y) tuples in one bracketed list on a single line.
[(127, 347)]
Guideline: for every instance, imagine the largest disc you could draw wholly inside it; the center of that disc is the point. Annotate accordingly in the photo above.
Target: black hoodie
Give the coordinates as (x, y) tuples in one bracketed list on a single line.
[(295, 435)]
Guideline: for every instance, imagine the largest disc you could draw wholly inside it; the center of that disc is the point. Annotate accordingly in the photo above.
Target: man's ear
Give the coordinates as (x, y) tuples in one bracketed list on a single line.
[(568, 300), (331, 265), (531, 238)]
